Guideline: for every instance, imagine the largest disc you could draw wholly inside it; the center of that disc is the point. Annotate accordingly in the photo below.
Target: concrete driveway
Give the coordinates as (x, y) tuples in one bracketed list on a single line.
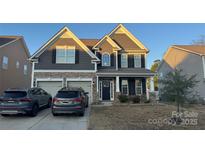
[(45, 121)]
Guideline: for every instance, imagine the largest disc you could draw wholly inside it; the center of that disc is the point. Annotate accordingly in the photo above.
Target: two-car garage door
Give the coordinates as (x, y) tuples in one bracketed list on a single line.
[(50, 86), (85, 85), (53, 86)]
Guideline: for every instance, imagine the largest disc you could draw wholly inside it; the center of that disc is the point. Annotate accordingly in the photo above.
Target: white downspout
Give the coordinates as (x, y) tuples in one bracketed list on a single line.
[(203, 63)]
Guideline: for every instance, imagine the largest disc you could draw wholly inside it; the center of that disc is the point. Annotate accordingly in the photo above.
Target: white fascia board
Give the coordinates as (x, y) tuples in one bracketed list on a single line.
[(62, 71), (203, 63), (49, 79), (79, 79)]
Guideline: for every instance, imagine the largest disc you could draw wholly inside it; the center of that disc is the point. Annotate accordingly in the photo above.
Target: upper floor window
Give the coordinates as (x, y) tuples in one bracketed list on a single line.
[(17, 64), (25, 69), (5, 62), (137, 60), (65, 54), (124, 62), (106, 59)]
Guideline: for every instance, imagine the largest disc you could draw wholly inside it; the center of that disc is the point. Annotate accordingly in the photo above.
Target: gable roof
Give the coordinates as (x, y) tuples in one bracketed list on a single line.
[(121, 28), (90, 42), (196, 49), (6, 40), (58, 35), (193, 49), (107, 38)]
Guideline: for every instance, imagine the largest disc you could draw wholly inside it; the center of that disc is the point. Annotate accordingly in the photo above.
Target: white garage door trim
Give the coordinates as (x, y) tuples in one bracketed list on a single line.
[(49, 80), (82, 79)]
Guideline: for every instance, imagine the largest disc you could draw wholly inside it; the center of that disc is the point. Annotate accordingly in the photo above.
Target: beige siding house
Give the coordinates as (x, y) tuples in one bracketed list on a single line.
[(15, 69), (189, 58)]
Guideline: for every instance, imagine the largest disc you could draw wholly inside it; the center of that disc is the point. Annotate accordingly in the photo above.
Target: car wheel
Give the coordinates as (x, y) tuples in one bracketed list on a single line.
[(54, 114), (34, 110), (81, 114), (5, 115), (87, 105)]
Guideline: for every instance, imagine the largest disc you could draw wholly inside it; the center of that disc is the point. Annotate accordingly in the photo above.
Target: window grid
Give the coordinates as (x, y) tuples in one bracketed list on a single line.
[(124, 87), (137, 60), (124, 61), (138, 87), (65, 55), (106, 59), (5, 62)]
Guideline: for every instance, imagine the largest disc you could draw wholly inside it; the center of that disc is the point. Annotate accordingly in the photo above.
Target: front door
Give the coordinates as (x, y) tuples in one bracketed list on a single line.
[(105, 90)]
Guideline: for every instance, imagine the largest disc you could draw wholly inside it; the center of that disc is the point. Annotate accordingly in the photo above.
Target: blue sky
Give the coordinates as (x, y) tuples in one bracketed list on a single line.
[(156, 37)]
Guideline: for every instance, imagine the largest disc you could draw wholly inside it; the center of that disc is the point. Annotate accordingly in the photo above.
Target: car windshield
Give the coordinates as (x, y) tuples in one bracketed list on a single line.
[(67, 94), (14, 94)]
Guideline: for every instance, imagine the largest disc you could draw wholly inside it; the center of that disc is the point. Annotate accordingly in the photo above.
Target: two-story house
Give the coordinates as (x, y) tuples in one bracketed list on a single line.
[(15, 68), (105, 68), (190, 59)]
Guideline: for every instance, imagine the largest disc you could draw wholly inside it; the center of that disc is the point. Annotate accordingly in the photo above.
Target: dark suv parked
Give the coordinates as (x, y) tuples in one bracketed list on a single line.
[(25, 101), (70, 100)]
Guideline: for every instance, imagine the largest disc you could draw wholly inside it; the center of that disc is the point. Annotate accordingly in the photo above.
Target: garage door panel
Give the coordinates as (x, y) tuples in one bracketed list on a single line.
[(85, 85), (50, 86)]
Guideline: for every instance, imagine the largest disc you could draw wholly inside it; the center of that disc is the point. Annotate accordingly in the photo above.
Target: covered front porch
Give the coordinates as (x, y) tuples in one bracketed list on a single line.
[(110, 85)]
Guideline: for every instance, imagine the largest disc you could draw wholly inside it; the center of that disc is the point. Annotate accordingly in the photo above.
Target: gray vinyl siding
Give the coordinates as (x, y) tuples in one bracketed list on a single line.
[(47, 61), (191, 65)]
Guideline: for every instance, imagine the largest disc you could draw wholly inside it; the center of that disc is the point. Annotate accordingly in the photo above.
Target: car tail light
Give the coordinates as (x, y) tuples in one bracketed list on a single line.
[(77, 100), (25, 100), (55, 100)]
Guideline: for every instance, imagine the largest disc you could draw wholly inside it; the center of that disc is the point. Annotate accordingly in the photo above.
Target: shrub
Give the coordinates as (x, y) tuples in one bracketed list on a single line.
[(135, 99), (123, 98), (143, 98)]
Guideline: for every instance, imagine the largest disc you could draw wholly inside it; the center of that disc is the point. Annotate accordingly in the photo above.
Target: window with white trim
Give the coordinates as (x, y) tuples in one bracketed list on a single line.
[(100, 90), (106, 59), (138, 87), (25, 69), (65, 54), (17, 64), (137, 60), (5, 62), (124, 61), (124, 87), (112, 90)]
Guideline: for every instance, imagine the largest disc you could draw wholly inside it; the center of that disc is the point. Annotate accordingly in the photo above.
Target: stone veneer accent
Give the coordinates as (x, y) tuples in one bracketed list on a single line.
[(65, 75)]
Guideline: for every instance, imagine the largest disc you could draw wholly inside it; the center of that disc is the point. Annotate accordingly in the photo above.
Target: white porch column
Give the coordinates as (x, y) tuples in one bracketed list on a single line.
[(152, 84), (32, 74), (117, 84), (147, 93), (97, 83)]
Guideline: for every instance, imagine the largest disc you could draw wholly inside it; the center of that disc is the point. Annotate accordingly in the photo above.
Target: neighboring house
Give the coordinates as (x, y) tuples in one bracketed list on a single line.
[(105, 68), (189, 58), (15, 68)]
